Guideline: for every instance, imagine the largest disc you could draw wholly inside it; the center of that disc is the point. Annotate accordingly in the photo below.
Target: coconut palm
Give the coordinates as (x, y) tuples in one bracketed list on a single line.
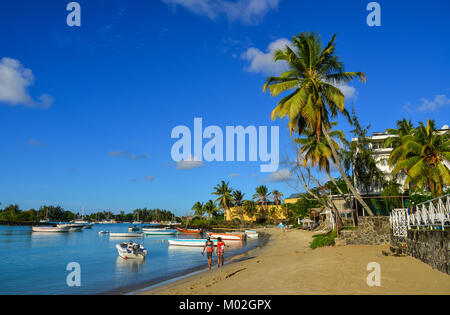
[(422, 158), (210, 208), (238, 198), (317, 151), (313, 77), (276, 196), (404, 128), (198, 208), (250, 208), (262, 196), (225, 199)]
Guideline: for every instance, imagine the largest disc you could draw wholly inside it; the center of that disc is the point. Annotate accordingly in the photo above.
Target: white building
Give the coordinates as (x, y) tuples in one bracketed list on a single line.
[(381, 156)]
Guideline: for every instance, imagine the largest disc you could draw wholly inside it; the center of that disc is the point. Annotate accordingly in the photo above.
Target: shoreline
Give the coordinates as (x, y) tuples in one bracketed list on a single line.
[(165, 280), (286, 265)]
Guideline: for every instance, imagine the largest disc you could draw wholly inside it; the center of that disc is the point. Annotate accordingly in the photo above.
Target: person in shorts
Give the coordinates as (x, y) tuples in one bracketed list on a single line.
[(220, 251), (209, 247)]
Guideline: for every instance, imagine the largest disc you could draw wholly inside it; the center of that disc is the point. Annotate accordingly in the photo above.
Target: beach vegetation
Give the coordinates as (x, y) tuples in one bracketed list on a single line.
[(322, 240)]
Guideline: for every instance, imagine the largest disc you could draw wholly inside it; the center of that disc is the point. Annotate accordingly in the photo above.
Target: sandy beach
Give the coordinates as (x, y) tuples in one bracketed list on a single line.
[(286, 265)]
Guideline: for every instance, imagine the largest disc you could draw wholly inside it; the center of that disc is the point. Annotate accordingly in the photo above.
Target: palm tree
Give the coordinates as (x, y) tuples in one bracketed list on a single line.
[(314, 74), (198, 208), (210, 208), (317, 151), (250, 208), (238, 197), (225, 199), (262, 195), (404, 128), (276, 196), (421, 156)]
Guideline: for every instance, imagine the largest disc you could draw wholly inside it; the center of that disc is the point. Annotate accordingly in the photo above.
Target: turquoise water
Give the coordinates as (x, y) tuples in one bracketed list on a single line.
[(35, 263)]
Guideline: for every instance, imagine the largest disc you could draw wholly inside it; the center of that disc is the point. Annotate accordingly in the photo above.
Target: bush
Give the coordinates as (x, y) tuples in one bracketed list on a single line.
[(323, 240)]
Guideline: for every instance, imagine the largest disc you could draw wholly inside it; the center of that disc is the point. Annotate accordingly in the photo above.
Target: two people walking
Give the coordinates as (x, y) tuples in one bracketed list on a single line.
[(209, 247)]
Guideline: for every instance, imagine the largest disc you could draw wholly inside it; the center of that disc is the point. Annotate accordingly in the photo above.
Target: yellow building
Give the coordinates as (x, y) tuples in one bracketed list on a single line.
[(275, 212)]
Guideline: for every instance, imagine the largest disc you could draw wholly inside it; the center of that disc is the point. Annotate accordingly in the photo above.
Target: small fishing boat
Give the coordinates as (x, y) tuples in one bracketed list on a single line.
[(189, 242), (154, 229), (189, 231), (72, 227), (131, 250), (49, 228), (125, 234), (103, 232), (159, 232), (253, 235), (225, 236)]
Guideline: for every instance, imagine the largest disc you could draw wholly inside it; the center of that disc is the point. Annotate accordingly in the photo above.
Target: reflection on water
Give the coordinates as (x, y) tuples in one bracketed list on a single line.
[(129, 265)]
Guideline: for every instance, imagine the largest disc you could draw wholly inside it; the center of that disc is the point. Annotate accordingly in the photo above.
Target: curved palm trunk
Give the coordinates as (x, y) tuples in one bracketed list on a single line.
[(347, 181)]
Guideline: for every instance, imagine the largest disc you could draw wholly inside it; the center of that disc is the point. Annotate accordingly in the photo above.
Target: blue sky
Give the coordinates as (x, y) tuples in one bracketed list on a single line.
[(87, 114)]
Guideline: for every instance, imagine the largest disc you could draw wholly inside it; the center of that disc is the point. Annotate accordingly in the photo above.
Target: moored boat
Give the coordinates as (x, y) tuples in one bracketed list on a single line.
[(131, 250), (125, 234), (49, 229), (225, 236), (189, 242), (189, 231), (159, 231), (251, 234)]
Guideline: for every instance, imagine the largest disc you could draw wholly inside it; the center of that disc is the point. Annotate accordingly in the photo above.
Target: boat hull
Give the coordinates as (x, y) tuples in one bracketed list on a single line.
[(189, 242), (189, 231), (49, 229), (125, 234), (159, 232), (229, 237)]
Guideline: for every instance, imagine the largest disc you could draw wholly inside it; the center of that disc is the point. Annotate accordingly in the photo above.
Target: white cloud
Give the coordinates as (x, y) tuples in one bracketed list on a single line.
[(189, 164), (234, 175), (280, 176), (127, 155), (245, 11), (149, 178), (262, 62), (35, 143), (439, 101), (15, 79)]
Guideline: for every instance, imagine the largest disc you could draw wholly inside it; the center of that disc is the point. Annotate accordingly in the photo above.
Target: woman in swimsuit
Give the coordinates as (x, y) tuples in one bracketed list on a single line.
[(209, 246), (220, 251)]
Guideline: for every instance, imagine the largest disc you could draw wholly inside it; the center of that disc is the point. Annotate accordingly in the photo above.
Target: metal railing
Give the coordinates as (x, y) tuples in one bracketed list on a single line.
[(432, 214)]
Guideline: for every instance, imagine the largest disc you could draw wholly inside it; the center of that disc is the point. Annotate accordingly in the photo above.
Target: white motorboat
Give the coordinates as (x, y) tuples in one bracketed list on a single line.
[(49, 229), (131, 250), (159, 231), (72, 227), (125, 234), (251, 234), (189, 242)]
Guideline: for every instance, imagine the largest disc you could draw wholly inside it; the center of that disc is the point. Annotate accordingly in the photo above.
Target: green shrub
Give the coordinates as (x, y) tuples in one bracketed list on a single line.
[(323, 240)]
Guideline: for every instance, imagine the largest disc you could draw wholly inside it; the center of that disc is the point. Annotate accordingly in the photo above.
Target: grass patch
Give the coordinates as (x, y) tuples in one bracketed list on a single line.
[(323, 240)]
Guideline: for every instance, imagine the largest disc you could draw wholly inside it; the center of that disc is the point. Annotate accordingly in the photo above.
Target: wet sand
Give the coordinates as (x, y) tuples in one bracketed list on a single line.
[(286, 265)]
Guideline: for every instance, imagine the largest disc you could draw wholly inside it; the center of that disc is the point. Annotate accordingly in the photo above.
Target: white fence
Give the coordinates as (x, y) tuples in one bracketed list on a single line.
[(431, 214)]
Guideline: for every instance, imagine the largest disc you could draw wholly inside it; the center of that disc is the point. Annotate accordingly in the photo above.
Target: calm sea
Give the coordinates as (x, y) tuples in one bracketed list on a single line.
[(35, 263)]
